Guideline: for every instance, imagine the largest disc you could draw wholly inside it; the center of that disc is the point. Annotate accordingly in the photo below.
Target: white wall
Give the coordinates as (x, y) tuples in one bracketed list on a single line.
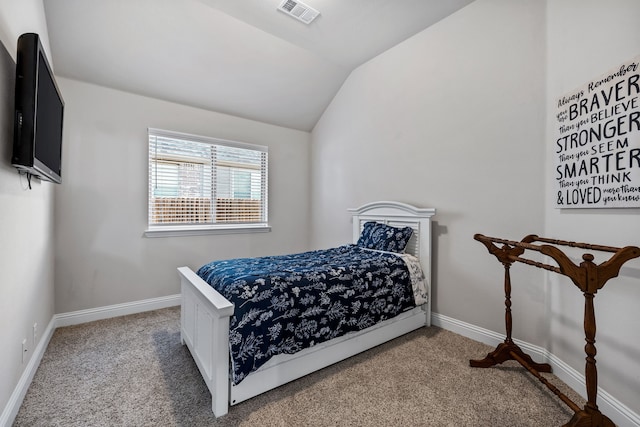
[(452, 118), (585, 40), (26, 234), (102, 257)]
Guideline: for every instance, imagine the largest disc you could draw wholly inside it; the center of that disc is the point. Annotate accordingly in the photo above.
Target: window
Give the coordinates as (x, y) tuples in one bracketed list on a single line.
[(201, 184)]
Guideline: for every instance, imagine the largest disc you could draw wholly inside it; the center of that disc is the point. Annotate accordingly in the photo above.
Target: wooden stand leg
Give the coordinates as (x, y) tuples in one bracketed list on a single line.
[(589, 418), (503, 351)]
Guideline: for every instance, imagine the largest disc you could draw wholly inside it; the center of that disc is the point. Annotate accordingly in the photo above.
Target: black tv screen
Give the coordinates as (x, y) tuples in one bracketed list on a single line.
[(39, 111)]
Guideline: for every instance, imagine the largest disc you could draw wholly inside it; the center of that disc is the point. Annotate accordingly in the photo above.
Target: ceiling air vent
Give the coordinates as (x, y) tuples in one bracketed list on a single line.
[(298, 10)]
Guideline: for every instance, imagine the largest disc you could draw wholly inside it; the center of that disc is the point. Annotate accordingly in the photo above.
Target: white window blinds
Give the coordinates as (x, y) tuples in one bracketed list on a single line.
[(195, 180)]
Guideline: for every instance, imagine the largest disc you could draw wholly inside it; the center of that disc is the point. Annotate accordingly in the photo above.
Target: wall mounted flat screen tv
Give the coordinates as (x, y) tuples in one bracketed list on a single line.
[(39, 110)]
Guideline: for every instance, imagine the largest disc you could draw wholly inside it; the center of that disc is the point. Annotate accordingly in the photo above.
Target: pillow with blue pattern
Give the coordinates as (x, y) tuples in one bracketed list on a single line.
[(383, 237)]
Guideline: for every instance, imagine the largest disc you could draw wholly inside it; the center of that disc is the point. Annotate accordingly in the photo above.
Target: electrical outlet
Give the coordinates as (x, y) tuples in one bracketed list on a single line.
[(35, 333), (24, 350)]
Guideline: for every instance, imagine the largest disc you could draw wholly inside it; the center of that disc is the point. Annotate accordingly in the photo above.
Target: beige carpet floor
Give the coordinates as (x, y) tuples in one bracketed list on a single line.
[(133, 371)]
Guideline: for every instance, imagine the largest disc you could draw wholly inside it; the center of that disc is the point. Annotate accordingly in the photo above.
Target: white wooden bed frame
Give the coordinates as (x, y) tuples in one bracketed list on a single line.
[(205, 320)]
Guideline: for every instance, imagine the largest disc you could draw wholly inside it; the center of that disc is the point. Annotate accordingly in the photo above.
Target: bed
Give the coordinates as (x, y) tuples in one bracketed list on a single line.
[(206, 315)]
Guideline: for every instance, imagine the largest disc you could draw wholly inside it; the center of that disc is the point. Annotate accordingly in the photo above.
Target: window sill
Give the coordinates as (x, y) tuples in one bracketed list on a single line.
[(198, 230)]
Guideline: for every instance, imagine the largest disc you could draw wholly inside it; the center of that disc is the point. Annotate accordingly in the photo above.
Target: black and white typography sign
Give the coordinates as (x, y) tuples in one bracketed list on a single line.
[(597, 142)]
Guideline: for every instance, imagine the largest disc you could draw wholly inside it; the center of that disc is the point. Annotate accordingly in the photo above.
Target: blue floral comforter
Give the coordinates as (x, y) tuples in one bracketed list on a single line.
[(284, 304)]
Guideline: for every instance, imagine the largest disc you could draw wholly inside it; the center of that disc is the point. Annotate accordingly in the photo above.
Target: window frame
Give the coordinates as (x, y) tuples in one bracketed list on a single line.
[(175, 230)]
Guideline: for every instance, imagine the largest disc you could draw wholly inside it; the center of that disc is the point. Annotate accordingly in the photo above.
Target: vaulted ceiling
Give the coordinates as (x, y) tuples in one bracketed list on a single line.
[(240, 57)]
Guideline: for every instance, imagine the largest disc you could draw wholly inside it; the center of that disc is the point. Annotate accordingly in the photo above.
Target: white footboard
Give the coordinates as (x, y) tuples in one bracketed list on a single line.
[(205, 330)]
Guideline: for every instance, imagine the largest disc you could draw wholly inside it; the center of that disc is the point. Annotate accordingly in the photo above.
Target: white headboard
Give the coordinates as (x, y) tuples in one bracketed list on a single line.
[(399, 214)]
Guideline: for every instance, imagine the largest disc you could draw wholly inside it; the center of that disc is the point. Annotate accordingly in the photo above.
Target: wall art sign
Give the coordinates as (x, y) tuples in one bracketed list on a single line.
[(597, 142)]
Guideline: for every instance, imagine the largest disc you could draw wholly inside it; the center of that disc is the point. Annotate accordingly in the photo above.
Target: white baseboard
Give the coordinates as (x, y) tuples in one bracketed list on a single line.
[(609, 405), (74, 318), (13, 406), (89, 315)]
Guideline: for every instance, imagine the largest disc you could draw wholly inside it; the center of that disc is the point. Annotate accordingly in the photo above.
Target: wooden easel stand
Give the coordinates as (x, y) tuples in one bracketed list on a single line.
[(589, 278)]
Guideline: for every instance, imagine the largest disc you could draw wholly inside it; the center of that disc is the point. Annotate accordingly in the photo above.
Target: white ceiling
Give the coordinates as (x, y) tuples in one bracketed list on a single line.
[(241, 57)]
